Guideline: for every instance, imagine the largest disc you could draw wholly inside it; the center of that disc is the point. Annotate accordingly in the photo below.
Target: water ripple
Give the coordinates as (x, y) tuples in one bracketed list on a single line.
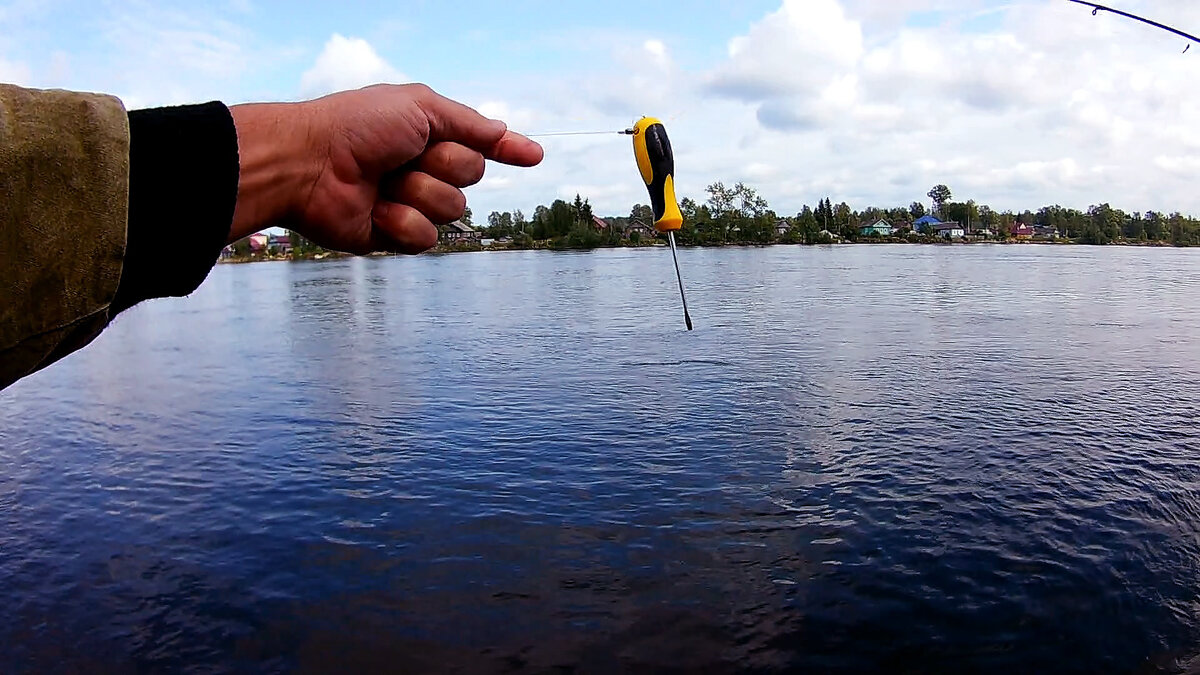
[(522, 463)]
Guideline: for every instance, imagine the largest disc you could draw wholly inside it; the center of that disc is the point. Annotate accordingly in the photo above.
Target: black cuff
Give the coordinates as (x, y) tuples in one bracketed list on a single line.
[(183, 181)]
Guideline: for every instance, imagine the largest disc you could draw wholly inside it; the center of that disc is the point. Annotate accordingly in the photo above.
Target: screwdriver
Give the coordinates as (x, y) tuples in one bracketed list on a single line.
[(655, 161)]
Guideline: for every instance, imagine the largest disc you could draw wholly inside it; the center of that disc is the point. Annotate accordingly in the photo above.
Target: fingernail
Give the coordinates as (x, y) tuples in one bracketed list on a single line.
[(498, 125)]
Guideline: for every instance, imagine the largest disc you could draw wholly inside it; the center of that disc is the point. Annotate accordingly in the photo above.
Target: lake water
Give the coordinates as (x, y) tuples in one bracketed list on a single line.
[(896, 458)]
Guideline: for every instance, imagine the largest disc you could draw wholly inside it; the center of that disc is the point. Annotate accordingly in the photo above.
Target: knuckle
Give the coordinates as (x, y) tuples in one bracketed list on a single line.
[(444, 155), (419, 89)]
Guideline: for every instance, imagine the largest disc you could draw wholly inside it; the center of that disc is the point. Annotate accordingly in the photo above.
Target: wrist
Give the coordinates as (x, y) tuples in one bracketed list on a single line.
[(277, 167)]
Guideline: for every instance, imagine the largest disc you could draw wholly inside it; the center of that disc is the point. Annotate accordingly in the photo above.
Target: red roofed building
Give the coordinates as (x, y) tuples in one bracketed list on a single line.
[(1021, 231), (280, 243)]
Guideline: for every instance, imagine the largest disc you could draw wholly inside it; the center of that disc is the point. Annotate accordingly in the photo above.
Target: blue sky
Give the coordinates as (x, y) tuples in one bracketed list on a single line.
[(1016, 103), (458, 45)]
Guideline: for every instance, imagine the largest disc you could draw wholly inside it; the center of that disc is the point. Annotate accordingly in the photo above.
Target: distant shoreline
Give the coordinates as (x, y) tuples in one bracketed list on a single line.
[(443, 249)]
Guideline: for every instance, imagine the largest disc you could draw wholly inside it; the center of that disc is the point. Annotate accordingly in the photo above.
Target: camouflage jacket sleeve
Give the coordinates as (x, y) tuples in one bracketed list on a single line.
[(64, 182)]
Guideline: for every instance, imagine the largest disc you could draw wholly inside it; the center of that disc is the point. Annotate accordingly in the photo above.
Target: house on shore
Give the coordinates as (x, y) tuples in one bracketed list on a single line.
[(279, 243), (950, 231), (879, 227), (1021, 231), (599, 224), (926, 224), (643, 230), (259, 241), (458, 231), (781, 228)]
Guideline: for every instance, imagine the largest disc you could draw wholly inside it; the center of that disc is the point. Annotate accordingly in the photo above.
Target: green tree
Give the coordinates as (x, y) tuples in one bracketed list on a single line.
[(500, 224), (466, 216), (940, 194), (843, 220), (720, 207), (720, 199), (1134, 228), (824, 215), (961, 213), (755, 218), (988, 218), (583, 235), (740, 211), (1103, 224), (560, 219), (916, 210), (688, 208), (300, 245), (688, 234), (642, 213), (1153, 222), (581, 211), (807, 225), (539, 227), (1176, 224)]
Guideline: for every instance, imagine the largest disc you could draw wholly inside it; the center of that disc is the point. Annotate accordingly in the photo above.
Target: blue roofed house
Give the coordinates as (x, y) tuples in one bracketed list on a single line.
[(880, 227), (926, 224)]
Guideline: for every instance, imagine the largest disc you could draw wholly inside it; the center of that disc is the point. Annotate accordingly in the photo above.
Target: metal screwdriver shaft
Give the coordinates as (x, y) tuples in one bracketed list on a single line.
[(687, 318)]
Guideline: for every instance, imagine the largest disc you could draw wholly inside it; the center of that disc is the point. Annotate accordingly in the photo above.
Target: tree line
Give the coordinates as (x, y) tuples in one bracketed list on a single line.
[(738, 214)]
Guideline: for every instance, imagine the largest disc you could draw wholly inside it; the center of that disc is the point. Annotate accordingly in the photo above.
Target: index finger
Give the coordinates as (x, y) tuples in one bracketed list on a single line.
[(450, 120), (515, 149)]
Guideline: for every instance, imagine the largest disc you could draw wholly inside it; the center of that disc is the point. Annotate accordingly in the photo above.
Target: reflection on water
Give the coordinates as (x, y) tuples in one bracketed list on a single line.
[(865, 458)]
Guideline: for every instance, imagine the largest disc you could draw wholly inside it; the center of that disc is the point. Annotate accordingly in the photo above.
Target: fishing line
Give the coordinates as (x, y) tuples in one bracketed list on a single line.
[(575, 133)]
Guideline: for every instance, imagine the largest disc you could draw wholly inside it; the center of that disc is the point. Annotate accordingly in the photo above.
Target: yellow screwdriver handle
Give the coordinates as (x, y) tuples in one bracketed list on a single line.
[(657, 165)]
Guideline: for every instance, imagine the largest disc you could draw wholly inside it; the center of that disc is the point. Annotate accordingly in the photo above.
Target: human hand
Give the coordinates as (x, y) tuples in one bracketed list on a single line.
[(367, 170)]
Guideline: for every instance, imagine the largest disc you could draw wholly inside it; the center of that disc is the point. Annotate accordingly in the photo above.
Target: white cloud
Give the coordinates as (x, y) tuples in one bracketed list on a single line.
[(657, 53), (790, 52), (517, 118), (346, 63), (1019, 105), (1015, 103)]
